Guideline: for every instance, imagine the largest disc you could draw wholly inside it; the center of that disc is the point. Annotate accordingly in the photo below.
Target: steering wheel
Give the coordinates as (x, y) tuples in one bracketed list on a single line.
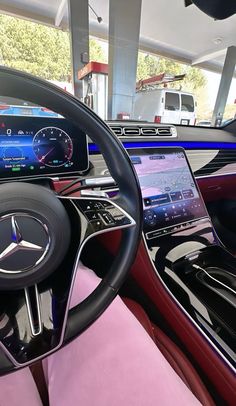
[(42, 235)]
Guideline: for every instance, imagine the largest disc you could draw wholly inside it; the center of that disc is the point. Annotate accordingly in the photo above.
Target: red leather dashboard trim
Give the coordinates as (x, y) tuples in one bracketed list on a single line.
[(59, 184), (214, 367), (218, 187)]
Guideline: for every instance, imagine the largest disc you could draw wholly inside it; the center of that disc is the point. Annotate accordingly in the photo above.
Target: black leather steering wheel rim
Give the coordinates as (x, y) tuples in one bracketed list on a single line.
[(17, 84)]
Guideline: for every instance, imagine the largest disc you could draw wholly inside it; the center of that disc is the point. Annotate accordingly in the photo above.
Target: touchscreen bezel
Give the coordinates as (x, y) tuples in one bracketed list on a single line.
[(37, 123), (152, 150)]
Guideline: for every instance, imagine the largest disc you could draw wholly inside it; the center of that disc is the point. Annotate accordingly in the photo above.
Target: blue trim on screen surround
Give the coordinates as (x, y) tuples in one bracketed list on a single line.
[(183, 144)]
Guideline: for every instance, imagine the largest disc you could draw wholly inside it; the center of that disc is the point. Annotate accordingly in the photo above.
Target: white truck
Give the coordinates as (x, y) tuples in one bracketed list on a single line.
[(162, 104), (165, 106)]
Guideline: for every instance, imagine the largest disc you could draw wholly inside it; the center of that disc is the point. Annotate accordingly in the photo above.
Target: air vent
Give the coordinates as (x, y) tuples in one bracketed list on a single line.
[(164, 131), (131, 131), (143, 129), (117, 130), (149, 131)]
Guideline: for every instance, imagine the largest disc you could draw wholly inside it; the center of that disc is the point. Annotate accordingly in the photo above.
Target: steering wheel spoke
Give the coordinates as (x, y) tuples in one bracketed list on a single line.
[(33, 309)]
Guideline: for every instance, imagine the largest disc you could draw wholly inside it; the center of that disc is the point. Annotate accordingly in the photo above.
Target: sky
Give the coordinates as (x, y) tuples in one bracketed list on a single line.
[(213, 81)]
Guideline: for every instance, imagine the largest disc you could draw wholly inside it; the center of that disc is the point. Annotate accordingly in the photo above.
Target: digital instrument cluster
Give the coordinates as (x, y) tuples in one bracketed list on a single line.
[(41, 146), (171, 200)]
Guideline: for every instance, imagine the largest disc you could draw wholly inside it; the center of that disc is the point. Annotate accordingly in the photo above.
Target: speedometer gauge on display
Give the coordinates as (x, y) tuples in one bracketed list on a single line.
[(53, 147), (38, 146)]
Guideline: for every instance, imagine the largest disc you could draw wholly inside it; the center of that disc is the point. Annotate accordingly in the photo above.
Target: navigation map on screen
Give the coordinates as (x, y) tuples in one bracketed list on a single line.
[(170, 195)]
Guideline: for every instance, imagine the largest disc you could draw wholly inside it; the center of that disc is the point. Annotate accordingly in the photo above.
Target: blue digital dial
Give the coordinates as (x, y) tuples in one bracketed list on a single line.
[(53, 147)]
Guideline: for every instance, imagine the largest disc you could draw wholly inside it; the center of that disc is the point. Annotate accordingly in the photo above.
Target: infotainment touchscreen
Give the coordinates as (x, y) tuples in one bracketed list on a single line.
[(170, 195), (39, 146)]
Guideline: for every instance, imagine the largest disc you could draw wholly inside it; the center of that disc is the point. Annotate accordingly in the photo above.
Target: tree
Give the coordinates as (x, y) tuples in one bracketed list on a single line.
[(147, 66), (96, 53), (45, 52), (34, 48), (37, 49)]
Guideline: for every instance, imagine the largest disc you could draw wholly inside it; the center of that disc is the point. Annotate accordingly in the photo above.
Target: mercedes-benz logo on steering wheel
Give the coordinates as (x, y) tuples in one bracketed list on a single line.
[(24, 242)]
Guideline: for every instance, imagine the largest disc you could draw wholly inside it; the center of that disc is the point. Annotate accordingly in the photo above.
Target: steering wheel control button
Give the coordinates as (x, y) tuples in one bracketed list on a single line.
[(92, 205), (102, 214), (118, 216), (87, 205), (106, 204), (97, 225), (20, 248), (92, 215), (107, 218), (97, 206)]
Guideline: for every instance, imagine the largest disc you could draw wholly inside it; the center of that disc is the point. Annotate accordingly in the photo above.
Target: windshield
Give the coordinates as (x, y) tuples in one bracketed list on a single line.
[(155, 61)]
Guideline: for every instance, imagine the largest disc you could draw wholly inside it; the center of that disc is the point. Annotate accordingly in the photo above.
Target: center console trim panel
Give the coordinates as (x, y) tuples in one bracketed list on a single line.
[(209, 340)]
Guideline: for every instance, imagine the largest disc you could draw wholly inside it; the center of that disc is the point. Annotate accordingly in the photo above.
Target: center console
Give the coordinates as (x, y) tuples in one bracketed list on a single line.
[(184, 249)]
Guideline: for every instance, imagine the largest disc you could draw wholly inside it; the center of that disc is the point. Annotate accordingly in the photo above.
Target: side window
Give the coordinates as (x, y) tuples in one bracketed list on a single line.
[(187, 103), (172, 101)]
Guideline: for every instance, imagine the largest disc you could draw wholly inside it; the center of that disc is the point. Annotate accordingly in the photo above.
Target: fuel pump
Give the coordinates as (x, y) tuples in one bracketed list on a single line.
[(96, 75)]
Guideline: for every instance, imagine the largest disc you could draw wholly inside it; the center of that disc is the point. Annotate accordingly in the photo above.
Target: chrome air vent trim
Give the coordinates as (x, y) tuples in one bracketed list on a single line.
[(132, 130), (149, 131), (138, 129), (117, 130), (164, 131)]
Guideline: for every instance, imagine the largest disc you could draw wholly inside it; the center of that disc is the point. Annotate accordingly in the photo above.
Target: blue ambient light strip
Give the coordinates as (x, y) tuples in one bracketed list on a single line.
[(184, 144)]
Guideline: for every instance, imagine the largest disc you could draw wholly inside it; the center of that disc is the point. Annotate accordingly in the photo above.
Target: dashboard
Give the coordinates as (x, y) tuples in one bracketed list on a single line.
[(41, 147), (44, 147)]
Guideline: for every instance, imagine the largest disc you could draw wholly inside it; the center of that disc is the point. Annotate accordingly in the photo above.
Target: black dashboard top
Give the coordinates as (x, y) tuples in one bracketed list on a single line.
[(38, 147)]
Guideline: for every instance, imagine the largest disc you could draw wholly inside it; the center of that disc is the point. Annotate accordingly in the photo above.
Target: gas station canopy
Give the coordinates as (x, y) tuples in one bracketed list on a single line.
[(164, 27), (205, 46)]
